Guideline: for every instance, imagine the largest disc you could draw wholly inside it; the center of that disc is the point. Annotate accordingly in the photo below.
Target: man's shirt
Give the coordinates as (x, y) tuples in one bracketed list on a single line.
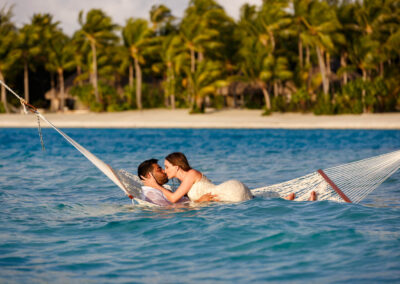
[(155, 196)]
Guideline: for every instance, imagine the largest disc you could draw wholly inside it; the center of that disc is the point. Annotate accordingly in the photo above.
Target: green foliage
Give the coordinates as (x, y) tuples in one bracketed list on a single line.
[(86, 96), (301, 98), (279, 104), (153, 97), (217, 101), (323, 105), (349, 99), (285, 52), (253, 101), (267, 112), (2, 109), (109, 99)]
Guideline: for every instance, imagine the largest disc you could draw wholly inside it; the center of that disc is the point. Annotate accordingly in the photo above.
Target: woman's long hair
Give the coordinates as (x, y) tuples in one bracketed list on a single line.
[(178, 159)]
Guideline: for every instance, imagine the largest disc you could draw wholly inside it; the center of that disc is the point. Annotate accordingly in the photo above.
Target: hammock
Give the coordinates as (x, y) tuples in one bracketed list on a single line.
[(350, 182)]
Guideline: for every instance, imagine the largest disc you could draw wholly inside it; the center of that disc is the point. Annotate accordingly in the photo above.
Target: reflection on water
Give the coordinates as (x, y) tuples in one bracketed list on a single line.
[(61, 220)]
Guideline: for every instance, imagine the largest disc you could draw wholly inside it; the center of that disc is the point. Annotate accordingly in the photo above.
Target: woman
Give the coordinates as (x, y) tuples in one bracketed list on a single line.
[(194, 184)]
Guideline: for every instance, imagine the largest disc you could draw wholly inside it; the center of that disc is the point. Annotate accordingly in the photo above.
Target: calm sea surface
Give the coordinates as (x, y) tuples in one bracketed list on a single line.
[(63, 221)]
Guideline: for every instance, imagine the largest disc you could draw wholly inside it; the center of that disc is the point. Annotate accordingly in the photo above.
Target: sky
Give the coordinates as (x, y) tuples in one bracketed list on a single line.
[(66, 11)]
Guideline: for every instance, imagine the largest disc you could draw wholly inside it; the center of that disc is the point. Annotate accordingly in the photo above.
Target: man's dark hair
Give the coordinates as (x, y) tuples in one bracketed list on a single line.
[(146, 167)]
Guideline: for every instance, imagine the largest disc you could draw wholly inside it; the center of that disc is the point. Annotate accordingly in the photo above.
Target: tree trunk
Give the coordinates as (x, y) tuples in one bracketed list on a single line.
[(79, 72), (173, 101), (3, 94), (328, 65), (167, 87), (363, 93), (192, 61), (26, 81), (54, 103), (266, 97), (300, 45), (271, 35), (138, 73), (94, 59), (200, 56), (131, 76), (172, 85), (200, 103), (130, 83), (276, 90), (328, 75), (322, 67), (308, 55), (62, 94), (381, 69), (309, 67), (344, 64)]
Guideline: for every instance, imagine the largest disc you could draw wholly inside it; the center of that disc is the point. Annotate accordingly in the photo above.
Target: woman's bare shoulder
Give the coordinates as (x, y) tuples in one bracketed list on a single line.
[(195, 174)]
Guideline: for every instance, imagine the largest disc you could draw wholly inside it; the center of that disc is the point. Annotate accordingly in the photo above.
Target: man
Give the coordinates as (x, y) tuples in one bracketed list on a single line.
[(151, 167)]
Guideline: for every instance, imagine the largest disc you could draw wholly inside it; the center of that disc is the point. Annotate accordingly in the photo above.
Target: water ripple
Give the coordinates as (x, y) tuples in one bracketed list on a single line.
[(62, 221)]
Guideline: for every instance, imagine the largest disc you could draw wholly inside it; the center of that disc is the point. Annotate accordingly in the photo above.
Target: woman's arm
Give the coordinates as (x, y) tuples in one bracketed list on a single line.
[(182, 190)]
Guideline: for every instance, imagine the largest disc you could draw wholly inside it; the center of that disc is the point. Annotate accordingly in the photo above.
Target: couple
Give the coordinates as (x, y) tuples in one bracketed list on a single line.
[(194, 185)]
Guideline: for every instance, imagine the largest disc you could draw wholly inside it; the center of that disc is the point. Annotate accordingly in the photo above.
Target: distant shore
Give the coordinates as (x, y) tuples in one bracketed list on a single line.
[(163, 118)]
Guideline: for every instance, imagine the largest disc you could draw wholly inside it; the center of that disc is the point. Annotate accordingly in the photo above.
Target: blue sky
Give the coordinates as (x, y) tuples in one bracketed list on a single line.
[(66, 11)]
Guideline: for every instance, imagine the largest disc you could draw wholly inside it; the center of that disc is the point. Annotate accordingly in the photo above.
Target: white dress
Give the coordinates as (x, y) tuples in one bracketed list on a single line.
[(229, 191)]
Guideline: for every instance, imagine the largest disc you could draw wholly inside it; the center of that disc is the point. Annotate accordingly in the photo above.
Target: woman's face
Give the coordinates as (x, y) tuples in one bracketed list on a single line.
[(170, 169)]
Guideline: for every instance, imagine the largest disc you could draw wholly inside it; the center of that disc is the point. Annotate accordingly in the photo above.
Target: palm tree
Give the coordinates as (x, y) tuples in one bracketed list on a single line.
[(79, 50), (26, 48), (321, 26), (300, 13), (7, 35), (272, 20), (255, 66), (363, 55), (199, 28), (345, 13), (159, 15), (137, 36), (46, 28), (205, 81), (277, 70), (61, 58), (173, 56), (98, 29)]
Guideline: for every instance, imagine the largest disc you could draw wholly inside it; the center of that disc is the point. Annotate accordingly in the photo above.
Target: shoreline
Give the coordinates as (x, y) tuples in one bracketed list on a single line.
[(180, 118)]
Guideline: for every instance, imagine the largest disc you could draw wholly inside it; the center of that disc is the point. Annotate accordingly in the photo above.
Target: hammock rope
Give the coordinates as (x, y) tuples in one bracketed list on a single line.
[(349, 182)]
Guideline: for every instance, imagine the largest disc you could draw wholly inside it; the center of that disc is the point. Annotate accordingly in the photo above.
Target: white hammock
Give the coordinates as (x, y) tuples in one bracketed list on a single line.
[(350, 182)]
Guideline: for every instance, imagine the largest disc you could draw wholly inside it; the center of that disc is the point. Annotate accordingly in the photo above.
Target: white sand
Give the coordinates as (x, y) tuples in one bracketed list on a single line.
[(163, 118)]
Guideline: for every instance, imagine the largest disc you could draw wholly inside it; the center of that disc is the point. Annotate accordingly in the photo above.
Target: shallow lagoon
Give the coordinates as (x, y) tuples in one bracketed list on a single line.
[(61, 220)]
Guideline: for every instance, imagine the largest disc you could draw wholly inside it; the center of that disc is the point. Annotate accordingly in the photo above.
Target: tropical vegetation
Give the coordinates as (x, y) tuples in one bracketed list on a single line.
[(326, 57)]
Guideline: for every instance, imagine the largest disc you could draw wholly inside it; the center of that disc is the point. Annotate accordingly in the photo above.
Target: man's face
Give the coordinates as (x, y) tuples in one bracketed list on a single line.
[(159, 174)]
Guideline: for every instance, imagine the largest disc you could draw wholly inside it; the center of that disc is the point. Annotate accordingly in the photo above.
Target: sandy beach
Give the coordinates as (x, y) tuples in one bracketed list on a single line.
[(163, 118)]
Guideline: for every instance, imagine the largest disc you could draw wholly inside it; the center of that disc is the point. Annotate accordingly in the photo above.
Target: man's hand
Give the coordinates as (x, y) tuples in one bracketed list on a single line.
[(208, 197), (150, 181)]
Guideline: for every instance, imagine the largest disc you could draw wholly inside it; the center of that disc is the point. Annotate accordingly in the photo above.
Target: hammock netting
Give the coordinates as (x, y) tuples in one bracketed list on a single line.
[(350, 182), (353, 180)]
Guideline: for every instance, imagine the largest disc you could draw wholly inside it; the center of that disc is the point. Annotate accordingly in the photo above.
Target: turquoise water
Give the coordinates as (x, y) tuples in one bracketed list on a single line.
[(62, 221)]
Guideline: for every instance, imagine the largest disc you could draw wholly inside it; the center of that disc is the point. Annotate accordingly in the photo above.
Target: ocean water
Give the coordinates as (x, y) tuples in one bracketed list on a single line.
[(63, 221)]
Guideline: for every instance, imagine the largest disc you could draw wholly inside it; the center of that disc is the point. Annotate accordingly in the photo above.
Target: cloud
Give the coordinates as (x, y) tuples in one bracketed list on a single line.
[(66, 11)]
